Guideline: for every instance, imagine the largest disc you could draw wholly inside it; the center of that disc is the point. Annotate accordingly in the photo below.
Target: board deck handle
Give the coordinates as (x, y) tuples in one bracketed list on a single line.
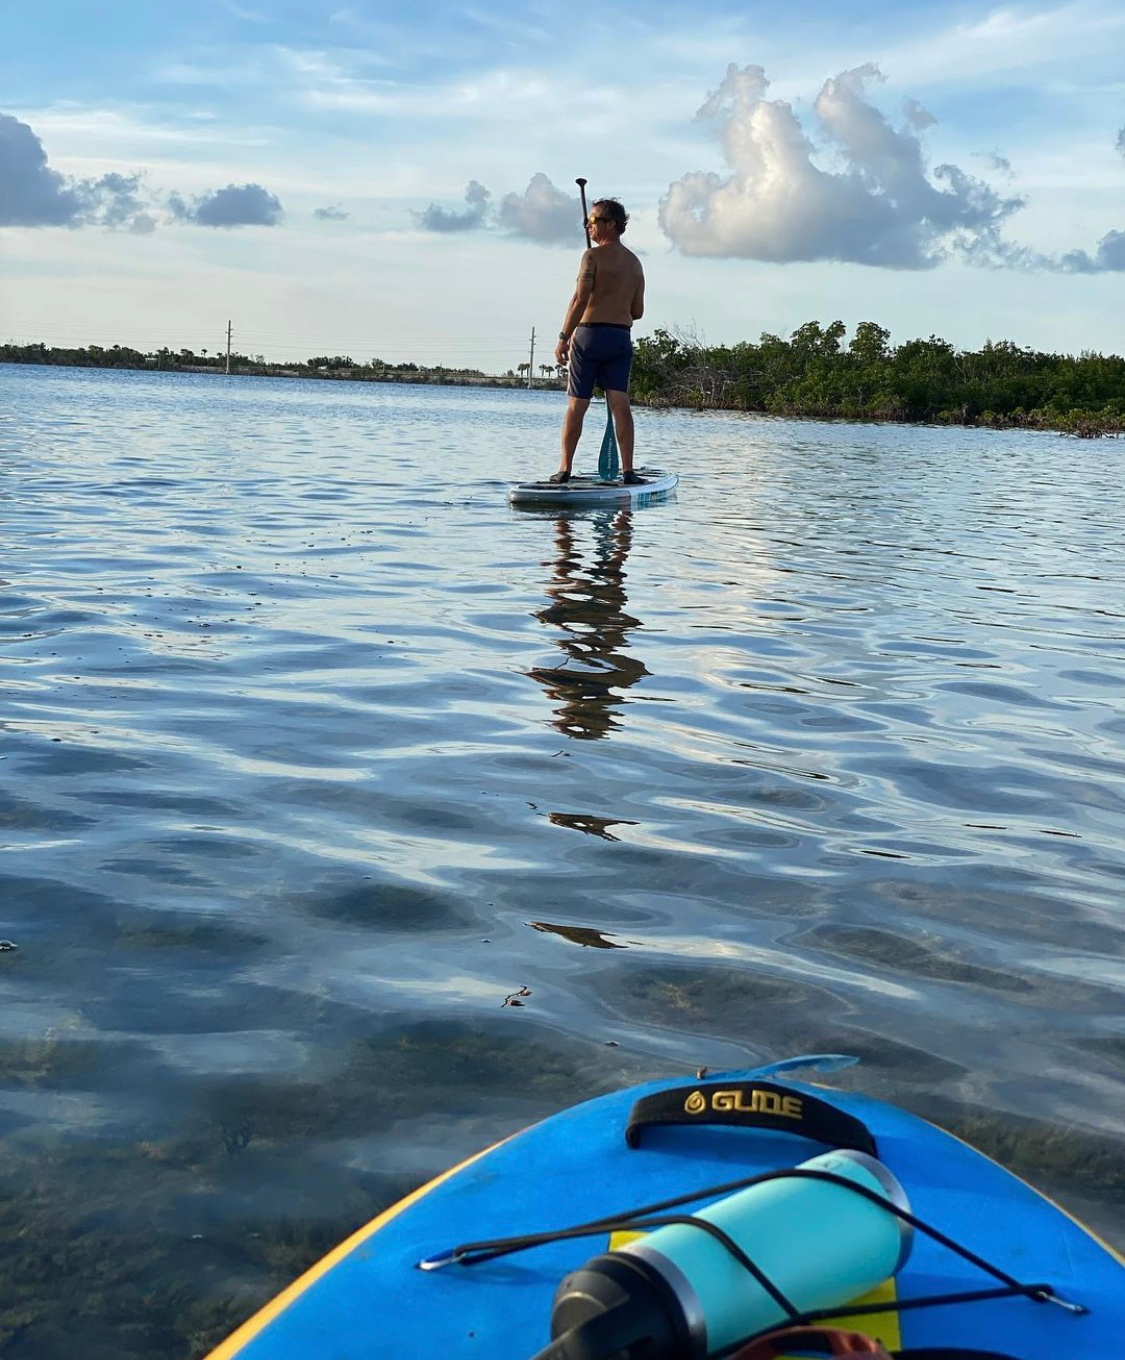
[(751, 1104)]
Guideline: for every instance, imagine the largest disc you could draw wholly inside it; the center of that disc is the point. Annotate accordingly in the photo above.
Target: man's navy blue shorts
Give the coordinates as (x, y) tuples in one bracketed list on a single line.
[(601, 355)]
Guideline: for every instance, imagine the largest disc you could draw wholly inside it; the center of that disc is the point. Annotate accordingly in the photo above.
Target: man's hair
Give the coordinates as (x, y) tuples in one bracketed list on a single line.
[(615, 210)]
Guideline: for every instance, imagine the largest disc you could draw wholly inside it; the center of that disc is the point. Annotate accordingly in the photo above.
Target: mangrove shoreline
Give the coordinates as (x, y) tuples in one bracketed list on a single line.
[(813, 374)]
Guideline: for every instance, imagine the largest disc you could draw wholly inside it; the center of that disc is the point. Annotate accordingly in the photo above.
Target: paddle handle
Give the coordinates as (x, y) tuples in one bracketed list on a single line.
[(585, 218)]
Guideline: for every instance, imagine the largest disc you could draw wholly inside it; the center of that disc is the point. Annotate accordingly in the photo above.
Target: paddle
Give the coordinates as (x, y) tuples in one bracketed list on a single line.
[(608, 466)]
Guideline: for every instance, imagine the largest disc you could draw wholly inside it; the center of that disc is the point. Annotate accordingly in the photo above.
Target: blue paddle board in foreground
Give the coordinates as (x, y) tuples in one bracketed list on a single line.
[(585, 489), (1017, 1277)]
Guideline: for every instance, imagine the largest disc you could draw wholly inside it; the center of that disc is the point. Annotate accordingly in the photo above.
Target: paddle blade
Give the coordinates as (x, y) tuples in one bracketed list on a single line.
[(608, 465)]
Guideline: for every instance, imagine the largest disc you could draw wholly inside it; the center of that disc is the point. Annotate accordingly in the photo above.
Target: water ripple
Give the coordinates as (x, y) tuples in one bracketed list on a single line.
[(342, 801)]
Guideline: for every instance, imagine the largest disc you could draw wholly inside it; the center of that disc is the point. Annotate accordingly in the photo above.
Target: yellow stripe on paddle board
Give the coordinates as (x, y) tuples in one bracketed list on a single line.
[(253, 1326), (884, 1327)]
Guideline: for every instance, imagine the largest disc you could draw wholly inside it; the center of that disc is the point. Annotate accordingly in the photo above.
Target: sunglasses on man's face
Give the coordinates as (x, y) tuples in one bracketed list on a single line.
[(593, 221)]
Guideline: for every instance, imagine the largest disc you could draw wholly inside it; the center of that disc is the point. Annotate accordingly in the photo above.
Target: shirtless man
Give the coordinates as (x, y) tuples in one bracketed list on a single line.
[(595, 342)]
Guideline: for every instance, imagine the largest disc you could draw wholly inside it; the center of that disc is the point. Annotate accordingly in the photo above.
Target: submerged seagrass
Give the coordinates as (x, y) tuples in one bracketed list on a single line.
[(353, 819)]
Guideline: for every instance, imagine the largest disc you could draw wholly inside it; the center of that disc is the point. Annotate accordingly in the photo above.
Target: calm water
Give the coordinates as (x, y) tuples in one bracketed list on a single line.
[(351, 818)]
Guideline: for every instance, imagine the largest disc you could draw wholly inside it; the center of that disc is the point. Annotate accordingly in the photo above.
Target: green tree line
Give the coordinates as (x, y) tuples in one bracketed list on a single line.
[(815, 373), (122, 356)]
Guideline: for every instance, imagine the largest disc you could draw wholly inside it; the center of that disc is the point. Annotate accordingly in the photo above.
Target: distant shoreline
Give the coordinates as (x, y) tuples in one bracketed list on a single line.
[(421, 377), (424, 378), (819, 383)]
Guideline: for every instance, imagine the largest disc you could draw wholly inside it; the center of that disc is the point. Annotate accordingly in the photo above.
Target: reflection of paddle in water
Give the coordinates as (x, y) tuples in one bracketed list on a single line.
[(589, 608), (588, 824), (586, 936)]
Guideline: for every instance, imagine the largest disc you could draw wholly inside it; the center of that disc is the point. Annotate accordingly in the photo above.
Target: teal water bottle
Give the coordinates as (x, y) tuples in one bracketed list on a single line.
[(678, 1293)]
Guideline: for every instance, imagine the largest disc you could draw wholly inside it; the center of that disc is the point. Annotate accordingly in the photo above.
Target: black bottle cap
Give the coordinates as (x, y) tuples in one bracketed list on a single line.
[(618, 1307)]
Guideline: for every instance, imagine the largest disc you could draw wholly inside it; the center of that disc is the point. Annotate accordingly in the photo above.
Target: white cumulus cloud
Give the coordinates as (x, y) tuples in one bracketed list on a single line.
[(1109, 258), (875, 202), (437, 218), (32, 194), (238, 205), (543, 213)]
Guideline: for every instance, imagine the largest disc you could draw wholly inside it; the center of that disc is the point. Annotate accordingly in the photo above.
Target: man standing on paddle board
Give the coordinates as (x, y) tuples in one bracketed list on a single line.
[(595, 342)]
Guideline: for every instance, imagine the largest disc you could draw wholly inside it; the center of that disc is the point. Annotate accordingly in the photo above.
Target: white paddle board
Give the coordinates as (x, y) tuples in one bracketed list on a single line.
[(589, 489)]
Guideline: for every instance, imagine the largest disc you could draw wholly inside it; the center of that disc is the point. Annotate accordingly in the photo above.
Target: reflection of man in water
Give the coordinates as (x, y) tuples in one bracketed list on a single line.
[(590, 610)]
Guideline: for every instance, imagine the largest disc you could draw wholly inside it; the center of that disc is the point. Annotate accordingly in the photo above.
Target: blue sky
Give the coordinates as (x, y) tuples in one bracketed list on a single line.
[(397, 181)]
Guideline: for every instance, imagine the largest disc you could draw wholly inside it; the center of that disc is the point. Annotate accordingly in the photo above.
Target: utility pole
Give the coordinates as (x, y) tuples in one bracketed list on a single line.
[(531, 358), (228, 346)]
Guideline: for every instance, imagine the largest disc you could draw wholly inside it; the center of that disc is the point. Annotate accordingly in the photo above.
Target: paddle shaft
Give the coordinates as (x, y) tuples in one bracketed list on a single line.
[(585, 216)]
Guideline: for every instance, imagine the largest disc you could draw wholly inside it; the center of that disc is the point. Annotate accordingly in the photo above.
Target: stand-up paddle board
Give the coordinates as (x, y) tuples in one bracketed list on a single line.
[(806, 1207), (590, 489)]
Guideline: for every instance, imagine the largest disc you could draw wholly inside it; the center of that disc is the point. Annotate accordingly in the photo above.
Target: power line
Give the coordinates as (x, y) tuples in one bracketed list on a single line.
[(281, 346), (301, 337)]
